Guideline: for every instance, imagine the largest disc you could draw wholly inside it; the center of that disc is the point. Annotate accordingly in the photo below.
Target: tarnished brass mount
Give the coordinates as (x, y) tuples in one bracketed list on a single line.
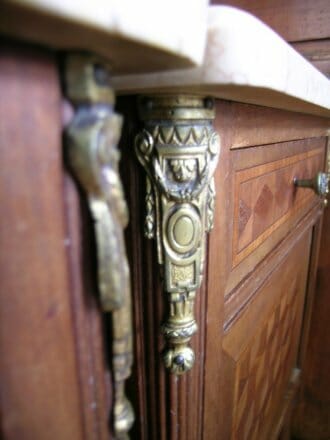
[(179, 151), (92, 140)]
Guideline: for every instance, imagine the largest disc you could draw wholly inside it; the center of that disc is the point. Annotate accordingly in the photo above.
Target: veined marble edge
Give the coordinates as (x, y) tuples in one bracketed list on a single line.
[(229, 63)]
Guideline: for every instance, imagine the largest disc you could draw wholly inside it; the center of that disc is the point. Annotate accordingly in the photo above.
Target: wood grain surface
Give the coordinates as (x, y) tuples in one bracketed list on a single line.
[(264, 368), (262, 283), (294, 20), (317, 52), (263, 345), (92, 328), (40, 397), (54, 383), (167, 406), (239, 298), (265, 198), (312, 414), (268, 189), (252, 125)]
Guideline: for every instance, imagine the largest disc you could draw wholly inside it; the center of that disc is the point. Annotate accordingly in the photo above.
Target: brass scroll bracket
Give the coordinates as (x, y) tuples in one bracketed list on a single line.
[(179, 151), (92, 140)]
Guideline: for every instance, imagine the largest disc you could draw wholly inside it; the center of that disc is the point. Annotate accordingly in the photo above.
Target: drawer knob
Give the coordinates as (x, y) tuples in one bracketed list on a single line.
[(319, 184)]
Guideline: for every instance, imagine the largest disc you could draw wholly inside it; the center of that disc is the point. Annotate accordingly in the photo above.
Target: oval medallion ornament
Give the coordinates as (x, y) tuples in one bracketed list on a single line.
[(183, 230)]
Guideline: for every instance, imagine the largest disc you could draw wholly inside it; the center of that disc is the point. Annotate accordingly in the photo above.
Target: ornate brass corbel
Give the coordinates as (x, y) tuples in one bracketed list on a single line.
[(93, 155), (179, 151)]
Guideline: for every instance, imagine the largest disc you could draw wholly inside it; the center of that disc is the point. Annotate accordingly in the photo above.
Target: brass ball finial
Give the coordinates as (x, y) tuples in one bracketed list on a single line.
[(179, 360)]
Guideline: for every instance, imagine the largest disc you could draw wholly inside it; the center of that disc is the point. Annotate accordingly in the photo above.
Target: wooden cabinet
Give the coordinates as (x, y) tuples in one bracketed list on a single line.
[(253, 310), (254, 306)]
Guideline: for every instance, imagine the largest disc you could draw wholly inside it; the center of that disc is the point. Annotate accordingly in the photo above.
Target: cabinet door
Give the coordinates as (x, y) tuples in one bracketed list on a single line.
[(311, 415), (261, 264), (261, 349)]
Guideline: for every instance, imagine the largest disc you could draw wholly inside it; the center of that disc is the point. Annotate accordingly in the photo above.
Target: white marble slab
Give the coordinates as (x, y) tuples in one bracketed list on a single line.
[(245, 61), (137, 35)]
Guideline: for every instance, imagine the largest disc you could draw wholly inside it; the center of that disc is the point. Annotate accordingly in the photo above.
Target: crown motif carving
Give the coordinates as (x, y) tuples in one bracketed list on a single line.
[(180, 135)]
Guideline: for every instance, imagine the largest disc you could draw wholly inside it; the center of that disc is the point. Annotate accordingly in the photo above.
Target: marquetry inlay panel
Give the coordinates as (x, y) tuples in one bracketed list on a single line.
[(264, 368), (265, 197)]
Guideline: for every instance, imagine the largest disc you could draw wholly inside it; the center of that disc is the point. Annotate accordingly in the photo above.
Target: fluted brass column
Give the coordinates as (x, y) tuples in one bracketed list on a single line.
[(179, 151)]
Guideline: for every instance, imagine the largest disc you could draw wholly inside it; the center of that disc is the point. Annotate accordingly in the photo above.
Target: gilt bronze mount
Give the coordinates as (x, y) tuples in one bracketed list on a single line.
[(179, 150), (92, 138)]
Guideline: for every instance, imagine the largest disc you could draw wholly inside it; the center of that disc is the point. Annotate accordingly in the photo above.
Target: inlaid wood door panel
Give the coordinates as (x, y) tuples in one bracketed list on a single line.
[(265, 198), (262, 347), (311, 413), (260, 264), (266, 205)]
